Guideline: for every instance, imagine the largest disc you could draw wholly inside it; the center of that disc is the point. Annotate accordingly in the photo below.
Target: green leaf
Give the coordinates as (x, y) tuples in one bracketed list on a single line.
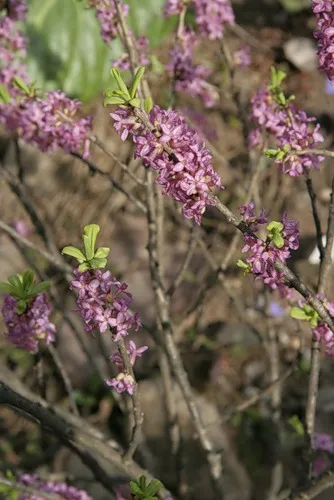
[(21, 84), (148, 104), (136, 80), (294, 6), (28, 278), (16, 282), (102, 253), (298, 313), (74, 252), (66, 50), (4, 95), (97, 263), (241, 263), (89, 238), (278, 240), (142, 483), (6, 287), (113, 100), (298, 426), (135, 488), (145, 18), (153, 488), (271, 153), (120, 82), (21, 306), (83, 267), (135, 103), (44, 285)]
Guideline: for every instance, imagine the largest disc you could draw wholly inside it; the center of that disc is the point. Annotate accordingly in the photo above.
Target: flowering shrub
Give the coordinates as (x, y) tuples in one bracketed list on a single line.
[(162, 111)]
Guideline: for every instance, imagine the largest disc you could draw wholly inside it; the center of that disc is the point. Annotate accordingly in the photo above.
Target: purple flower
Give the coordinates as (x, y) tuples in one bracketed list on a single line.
[(323, 10), (290, 127), (173, 7), (133, 353), (188, 176), (323, 441), (104, 303), (142, 46), (106, 13), (122, 383), (49, 122), (17, 9), (276, 310), (27, 329), (211, 17), (64, 490), (329, 88), (242, 57), (190, 78), (262, 255)]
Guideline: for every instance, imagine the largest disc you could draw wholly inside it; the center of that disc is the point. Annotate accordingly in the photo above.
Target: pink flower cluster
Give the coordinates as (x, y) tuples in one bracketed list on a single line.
[(188, 175), (103, 303), (322, 332), (323, 443), (27, 329), (324, 13), (263, 254), (190, 78), (16, 9), (13, 47), (211, 15), (53, 487), (173, 7), (289, 126), (106, 13), (242, 57), (48, 122), (142, 46)]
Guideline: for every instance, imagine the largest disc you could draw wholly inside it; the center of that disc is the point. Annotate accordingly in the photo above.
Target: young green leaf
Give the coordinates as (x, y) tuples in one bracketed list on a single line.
[(74, 252), (298, 313), (6, 287), (36, 289), (28, 278), (120, 82), (136, 80), (135, 488), (21, 84), (4, 95), (97, 263), (153, 488), (84, 267), (148, 104), (113, 100), (89, 238), (102, 253), (135, 102), (21, 306)]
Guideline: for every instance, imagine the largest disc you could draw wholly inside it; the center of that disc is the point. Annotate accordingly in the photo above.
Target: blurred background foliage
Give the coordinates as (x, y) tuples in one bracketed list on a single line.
[(65, 48)]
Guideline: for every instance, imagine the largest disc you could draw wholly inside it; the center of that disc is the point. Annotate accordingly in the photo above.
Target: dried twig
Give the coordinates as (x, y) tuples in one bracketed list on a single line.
[(316, 217)]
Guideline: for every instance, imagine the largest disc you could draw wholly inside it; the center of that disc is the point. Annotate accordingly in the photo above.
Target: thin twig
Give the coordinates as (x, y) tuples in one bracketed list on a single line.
[(321, 152), (317, 487), (193, 241), (324, 273), (137, 411), (316, 217), (94, 169), (64, 376)]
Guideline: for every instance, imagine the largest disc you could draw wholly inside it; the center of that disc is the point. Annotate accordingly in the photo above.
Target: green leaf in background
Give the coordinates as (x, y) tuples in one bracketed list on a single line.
[(293, 6), (66, 50), (145, 18)]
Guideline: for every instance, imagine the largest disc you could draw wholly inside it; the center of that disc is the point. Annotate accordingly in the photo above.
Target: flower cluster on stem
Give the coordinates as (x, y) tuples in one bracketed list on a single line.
[(103, 303), (282, 237), (63, 490), (324, 13), (16, 9), (190, 78), (292, 130), (211, 15), (49, 121), (27, 329), (106, 14), (187, 175)]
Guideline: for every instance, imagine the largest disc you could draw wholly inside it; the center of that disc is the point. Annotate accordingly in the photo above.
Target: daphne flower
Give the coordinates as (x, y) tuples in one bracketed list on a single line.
[(63, 490), (122, 383), (212, 16), (27, 329), (323, 10)]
